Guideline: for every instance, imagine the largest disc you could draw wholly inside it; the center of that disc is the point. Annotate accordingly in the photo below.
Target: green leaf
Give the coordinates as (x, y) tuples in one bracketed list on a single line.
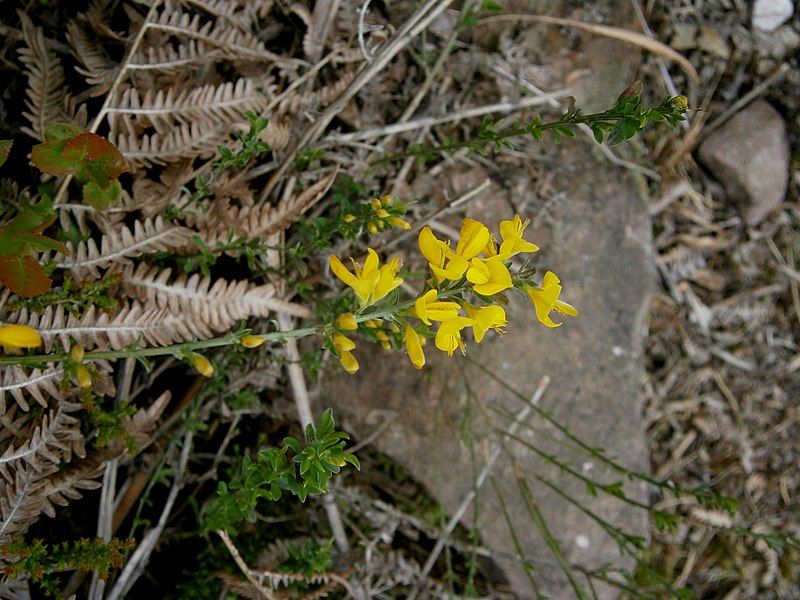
[(60, 131), (5, 150), (101, 198)]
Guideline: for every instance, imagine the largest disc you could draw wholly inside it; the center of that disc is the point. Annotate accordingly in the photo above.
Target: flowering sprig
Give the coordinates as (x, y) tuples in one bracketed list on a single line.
[(465, 291)]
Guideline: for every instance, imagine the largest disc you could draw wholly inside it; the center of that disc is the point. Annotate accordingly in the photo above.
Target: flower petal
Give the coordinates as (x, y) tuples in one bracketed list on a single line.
[(473, 239), (19, 336), (414, 347)]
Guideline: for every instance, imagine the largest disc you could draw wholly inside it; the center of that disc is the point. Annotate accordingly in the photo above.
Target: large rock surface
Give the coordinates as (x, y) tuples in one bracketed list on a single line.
[(598, 243), (596, 236), (749, 156)]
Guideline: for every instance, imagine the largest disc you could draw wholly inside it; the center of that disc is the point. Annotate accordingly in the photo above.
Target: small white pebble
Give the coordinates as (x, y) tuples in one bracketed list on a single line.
[(582, 541), (768, 15), (618, 351), (587, 466)]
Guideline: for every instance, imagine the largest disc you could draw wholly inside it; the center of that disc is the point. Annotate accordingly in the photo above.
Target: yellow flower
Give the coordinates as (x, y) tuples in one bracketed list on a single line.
[(346, 322), (343, 347), (376, 204), (511, 231), (386, 200), (84, 377), (201, 363), (489, 276), (372, 227), (388, 280), (545, 299), (342, 343), (444, 263), (486, 318), (428, 308), (349, 362), (413, 343), (473, 238), (382, 213), (400, 223), (251, 341), (370, 282), (382, 336), (349, 218), (13, 337), (448, 337)]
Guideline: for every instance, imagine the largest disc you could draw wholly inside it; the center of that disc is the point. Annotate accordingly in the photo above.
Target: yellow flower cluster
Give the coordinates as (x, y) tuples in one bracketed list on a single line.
[(382, 214), (478, 265)]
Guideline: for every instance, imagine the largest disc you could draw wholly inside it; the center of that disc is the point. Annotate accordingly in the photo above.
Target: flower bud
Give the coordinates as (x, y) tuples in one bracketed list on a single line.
[(349, 218), (76, 353), (202, 364), (400, 223), (83, 376), (251, 341), (346, 322)]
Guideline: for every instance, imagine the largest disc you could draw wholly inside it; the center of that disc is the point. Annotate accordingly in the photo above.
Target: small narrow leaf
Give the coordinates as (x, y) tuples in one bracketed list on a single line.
[(5, 150)]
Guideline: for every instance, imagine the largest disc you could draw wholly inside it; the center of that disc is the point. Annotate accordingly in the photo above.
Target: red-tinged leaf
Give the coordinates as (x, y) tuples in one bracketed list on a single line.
[(101, 198), (23, 275), (99, 156), (5, 150)]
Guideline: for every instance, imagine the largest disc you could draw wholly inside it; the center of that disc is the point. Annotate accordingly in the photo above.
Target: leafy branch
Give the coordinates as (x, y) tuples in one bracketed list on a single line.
[(295, 467)]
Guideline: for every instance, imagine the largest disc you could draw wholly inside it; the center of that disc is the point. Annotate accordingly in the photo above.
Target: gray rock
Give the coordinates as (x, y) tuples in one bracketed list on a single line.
[(768, 15), (598, 241), (749, 156)]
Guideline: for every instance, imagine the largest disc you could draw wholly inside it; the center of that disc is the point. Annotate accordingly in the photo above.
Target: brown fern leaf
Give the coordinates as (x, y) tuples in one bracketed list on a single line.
[(239, 14), (118, 247), (141, 424), (129, 325), (32, 492), (185, 141), (21, 501), (258, 220), (162, 109), (53, 441), (171, 59), (98, 69), (41, 384), (297, 102), (231, 41), (47, 98), (218, 304)]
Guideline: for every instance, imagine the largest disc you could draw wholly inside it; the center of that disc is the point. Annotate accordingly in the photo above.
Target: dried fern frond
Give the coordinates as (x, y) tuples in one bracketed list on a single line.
[(171, 58), (219, 304), (47, 98), (41, 384), (258, 220), (162, 109), (184, 141), (129, 325), (98, 69), (297, 101), (118, 247), (22, 501), (236, 13), (52, 441), (231, 41)]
